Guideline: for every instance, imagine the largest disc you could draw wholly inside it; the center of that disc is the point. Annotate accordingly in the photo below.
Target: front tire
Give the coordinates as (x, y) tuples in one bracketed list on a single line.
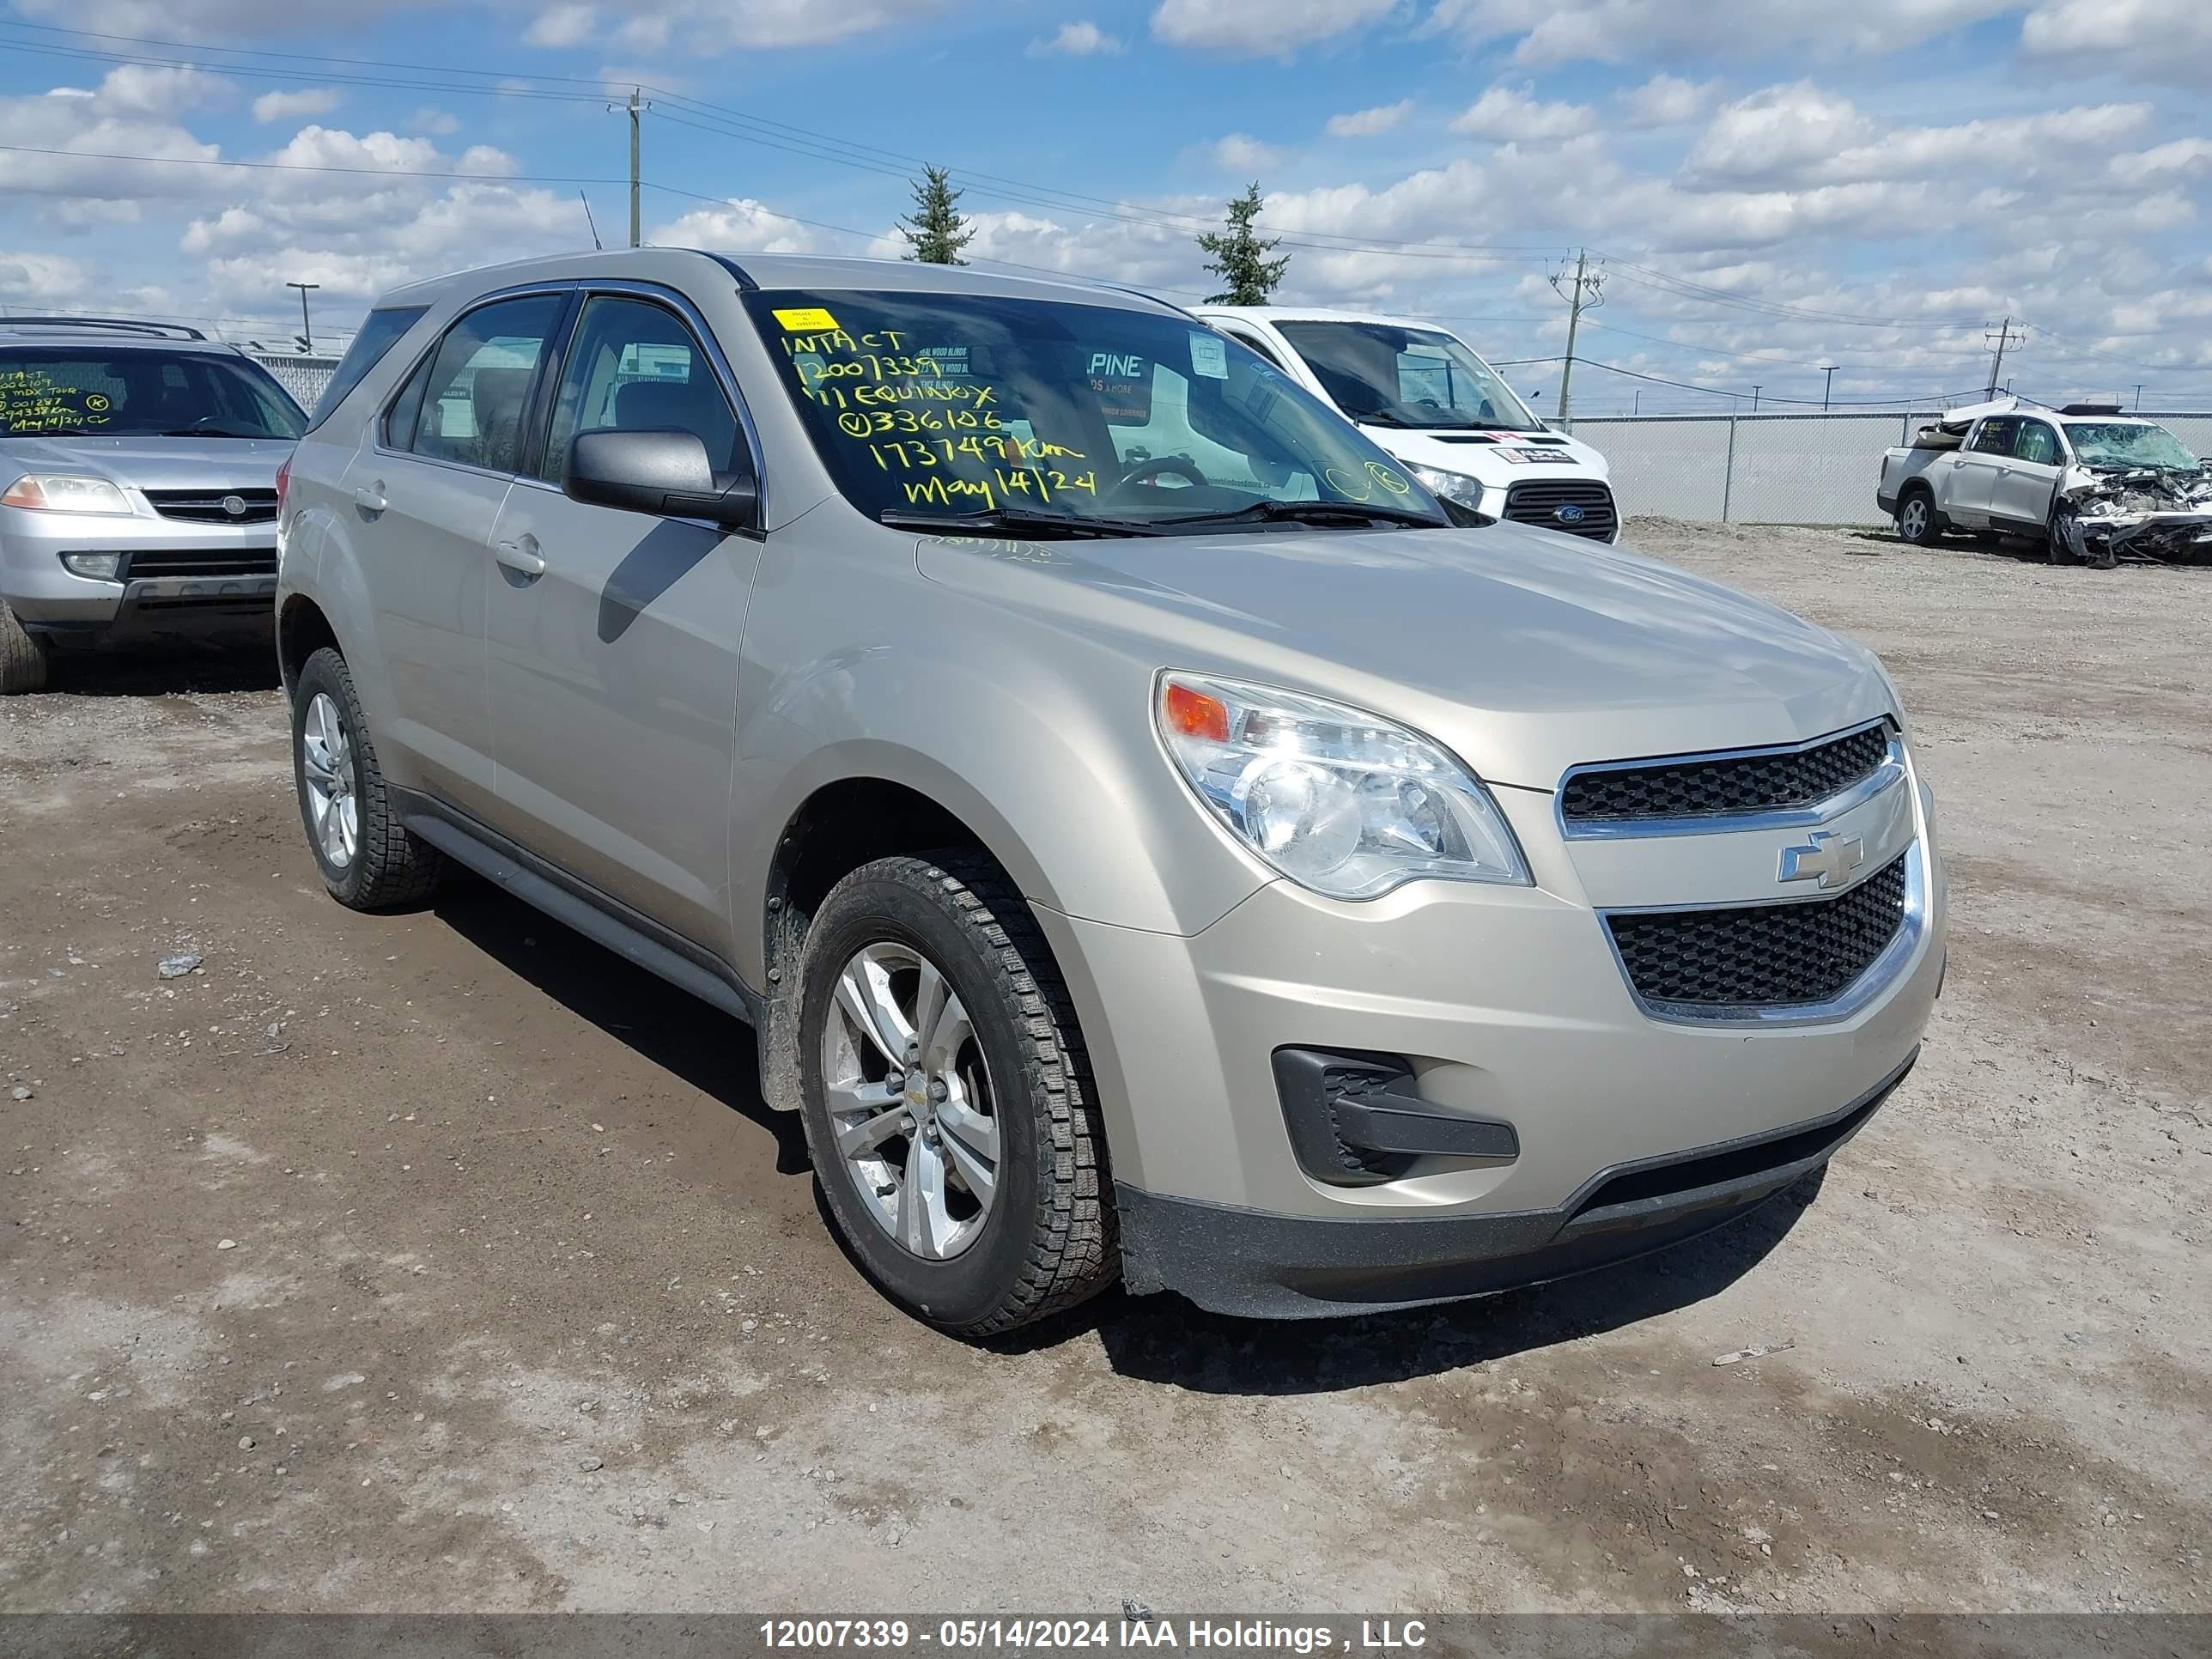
[(947, 1097), (370, 859), (22, 657), (1917, 521)]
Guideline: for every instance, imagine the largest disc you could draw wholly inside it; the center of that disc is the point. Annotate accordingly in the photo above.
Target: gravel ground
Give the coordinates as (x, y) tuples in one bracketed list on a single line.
[(444, 1261)]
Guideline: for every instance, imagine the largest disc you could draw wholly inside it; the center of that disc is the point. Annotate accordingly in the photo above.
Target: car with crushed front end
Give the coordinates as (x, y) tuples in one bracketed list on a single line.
[(1149, 834), (137, 489)]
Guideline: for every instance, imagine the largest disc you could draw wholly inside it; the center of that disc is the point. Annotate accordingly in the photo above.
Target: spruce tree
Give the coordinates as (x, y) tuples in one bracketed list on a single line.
[(1240, 258), (936, 231)]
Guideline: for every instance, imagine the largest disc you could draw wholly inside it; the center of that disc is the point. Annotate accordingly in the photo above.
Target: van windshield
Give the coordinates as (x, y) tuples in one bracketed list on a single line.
[(1406, 377), (930, 408), (73, 392)]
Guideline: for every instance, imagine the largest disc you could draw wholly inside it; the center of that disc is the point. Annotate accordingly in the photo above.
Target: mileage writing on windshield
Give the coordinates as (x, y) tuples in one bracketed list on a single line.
[(921, 414)]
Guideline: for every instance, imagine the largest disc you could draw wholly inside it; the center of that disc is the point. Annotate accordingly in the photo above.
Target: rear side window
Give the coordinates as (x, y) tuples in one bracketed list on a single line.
[(475, 397), (378, 333), (1996, 437)]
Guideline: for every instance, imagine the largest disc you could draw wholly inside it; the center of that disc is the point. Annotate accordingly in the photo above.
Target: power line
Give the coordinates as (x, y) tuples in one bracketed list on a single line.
[(310, 166)]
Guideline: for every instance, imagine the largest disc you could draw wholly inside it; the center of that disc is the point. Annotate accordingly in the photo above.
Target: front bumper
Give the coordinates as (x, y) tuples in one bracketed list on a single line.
[(1511, 1008), (1276, 1266), (181, 580)]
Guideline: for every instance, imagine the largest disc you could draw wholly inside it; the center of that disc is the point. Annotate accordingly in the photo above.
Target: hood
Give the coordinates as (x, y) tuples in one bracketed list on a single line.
[(1496, 458), (155, 463), (1523, 651)]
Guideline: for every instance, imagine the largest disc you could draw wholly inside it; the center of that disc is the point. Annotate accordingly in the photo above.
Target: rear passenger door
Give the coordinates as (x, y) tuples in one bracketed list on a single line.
[(1974, 468), (613, 635), (425, 493)]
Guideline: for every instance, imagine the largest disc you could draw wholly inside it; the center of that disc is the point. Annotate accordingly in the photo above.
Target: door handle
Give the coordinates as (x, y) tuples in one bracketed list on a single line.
[(370, 497), (522, 555)]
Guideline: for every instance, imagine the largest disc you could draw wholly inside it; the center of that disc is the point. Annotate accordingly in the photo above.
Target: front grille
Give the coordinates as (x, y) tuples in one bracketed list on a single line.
[(1539, 500), (1711, 786), (1762, 955), (206, 506), (209, 561)]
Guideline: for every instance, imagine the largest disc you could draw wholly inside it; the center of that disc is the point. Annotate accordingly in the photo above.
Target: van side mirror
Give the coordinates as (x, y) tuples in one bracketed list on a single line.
[(662, 471)]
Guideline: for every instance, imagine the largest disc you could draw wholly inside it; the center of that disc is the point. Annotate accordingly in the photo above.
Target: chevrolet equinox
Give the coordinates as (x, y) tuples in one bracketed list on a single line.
[(1151, 835)]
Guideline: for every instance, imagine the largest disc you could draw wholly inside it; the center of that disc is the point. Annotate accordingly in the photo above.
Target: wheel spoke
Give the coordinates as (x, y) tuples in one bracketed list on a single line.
[(931, 994), (972, 1141), (924, 1224), (864, 990), (864, 1115), (941, 1049)]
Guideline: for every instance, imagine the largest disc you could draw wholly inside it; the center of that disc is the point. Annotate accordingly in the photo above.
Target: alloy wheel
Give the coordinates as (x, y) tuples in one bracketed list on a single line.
[(910, 1100), (1912, 523), (326, 761)]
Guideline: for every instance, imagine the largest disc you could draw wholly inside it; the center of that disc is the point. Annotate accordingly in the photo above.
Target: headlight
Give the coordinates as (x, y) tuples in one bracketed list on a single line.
[(1342, 802), (1452, 486), (100, 566), (65, 492)]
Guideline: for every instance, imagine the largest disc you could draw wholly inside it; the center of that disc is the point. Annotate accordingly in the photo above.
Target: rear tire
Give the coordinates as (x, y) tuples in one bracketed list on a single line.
[(966, 1171), (370, 859), (1917, 521), (22, 657)]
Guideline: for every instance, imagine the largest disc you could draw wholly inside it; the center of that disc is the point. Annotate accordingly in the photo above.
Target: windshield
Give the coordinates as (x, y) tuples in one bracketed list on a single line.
[(2129, 443), (1408, 377), (74, 392), (1114, 420)]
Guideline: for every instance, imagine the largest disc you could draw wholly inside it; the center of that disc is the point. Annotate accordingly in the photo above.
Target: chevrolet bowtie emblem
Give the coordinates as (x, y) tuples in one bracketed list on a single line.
[(1828, 859)]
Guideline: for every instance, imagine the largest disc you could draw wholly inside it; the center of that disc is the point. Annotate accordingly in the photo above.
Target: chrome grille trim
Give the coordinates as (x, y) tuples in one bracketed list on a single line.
[(1892, 771)]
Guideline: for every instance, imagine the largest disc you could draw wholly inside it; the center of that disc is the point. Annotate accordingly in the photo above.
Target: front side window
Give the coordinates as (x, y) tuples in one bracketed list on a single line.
[(2129, 443), (378, 332), (634, 365), (1112, 420), (1382, 375), (70, 392), (475, 394), (2037, 443)]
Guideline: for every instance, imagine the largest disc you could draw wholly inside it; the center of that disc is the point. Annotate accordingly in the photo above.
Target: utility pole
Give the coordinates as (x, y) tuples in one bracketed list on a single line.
[(306, 333), (1636, 402), (1754, 396), (1828, 369), (2004, 337), (2138, 402), (1588, 286), (634, 107)]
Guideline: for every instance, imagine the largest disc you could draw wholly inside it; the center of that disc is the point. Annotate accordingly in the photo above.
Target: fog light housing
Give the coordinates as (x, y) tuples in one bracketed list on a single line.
[(100, 566)]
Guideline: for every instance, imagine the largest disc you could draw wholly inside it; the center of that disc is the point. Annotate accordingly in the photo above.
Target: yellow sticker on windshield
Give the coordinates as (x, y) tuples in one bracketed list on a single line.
[(811, 320)]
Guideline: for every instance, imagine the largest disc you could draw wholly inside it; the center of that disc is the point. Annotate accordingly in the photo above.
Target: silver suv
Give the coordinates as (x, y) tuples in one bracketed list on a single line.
[(137, 487), (1149, 833)]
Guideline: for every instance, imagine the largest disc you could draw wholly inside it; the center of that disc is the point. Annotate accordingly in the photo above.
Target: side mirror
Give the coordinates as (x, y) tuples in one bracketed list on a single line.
[(662, 471)]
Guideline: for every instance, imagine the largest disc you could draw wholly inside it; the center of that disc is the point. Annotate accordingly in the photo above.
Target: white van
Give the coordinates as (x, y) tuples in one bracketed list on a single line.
[(1422, 393)]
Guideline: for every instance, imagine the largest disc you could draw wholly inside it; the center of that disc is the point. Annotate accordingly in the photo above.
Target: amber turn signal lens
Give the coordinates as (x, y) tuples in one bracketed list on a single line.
[(1193, 714)]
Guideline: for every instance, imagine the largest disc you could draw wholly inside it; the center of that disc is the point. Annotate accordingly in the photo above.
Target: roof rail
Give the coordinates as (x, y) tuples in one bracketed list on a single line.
[(116, 325)]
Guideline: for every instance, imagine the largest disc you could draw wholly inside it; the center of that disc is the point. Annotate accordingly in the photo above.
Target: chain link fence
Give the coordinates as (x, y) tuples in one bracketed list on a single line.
[(1774, 469), (303, 377)]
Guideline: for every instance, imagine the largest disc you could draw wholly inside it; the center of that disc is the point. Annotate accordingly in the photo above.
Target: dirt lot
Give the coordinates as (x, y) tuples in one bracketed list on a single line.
[(444, 1261)]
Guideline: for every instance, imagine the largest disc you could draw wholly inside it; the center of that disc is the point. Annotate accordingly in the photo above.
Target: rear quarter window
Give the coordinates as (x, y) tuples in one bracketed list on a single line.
[(379, 331)]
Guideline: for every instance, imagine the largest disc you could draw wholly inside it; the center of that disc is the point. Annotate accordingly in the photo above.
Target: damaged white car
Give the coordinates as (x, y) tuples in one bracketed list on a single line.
[(2088, 484)]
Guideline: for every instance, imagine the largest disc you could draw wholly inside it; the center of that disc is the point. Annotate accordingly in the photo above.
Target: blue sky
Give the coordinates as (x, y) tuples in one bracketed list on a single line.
[(1768, 184)]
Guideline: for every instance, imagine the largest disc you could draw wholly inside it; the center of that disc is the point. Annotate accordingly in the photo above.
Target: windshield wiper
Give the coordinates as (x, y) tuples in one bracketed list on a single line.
[(1013, 521), (1319, 512), (209, 431)]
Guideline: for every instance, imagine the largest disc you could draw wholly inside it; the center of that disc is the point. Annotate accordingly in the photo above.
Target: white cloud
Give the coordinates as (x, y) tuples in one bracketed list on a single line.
[(1365, 123), (1627, 31), (1665, 101), (1081, 38), (431, 120), (290, 106), (1261, 28), (2164, 39), (44, 279), (711, 27), (740, 224), (141, 90), (1240, 152), (561, 26), (1508, 115)]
